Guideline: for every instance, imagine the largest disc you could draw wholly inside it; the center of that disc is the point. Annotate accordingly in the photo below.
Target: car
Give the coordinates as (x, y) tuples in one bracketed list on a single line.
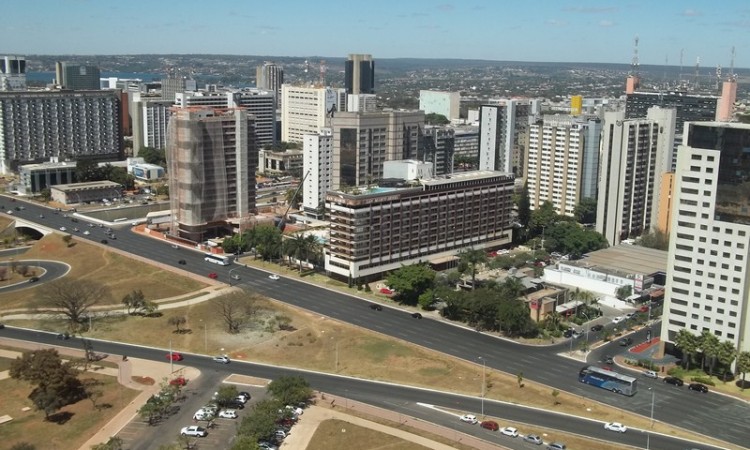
[(469, 418), (490, 425), (33, 279), (280, 434), (263, 445), (244, 394), (179, 381), (376, 307), (416, 315), (213, 275), (203, 414), (674, 380), (181, 262), (597, 327), (228, 414), (618, 319), (41, 216), (175, 246), (194, 430), (273, 276), (63, 229), (90, 225), (569, 333), (235, 276), (235, 404), (615, 426), (556, 446), (650, 374), (509, 431), (624, 342), (86, 233), (698, 387), (221, 359), (113, 237), (9, 212), (174, 356), (643, 308), (533, 438), (104, 241), (241, 399)]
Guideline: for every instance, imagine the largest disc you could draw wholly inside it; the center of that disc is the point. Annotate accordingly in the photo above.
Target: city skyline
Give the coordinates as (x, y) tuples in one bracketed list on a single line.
[(563, 31)]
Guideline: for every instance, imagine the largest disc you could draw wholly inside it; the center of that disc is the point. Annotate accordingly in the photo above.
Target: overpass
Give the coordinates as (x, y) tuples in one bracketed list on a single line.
[(21, 225)]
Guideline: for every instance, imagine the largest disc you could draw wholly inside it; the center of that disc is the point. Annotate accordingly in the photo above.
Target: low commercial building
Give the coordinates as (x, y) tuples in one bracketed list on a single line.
[(37, 177), (77, 193), (272, 163), (380, 229), (146, 172)]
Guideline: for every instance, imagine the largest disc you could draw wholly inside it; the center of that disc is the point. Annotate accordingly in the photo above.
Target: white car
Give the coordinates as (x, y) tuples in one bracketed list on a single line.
[(63, 229), (241, 398), (194, 430), (618, 319), (222, 359), (86, 233), (204, 414), (615, 426), (273, 277), (469, 418), (228, 414), (509, 431)]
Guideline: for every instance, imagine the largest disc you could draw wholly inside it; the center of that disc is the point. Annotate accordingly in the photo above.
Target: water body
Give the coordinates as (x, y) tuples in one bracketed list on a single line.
[(48, 77)]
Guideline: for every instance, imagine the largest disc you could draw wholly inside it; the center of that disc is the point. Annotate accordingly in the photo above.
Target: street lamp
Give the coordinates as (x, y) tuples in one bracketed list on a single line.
[(587, 326), (484, 367)]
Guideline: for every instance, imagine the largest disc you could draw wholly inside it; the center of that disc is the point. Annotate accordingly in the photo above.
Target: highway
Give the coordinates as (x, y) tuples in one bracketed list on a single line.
[(700, 413)]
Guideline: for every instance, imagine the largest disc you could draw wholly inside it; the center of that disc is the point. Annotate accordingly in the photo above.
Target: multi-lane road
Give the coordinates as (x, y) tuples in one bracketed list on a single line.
[(708, 414)]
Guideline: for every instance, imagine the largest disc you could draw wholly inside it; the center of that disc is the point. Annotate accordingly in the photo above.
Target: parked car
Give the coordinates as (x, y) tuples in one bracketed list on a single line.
[(213, 275), (556, 446), (624, 342), (228, 414), (244, 394), (203, 414), (273, 277), (63, 229), (673, 380), (376, 307), (597, 327), (490, 425), (469, 418), (416, 315), (615, 426), (174, 356), (618, 319), (221, 359), (179, 381), (194, 430), (698, 387), (235, 404), (509, 431), (650, 374), (533, 438)]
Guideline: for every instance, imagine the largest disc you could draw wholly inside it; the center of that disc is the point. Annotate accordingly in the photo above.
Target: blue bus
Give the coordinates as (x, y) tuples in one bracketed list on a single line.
[(607, 379)]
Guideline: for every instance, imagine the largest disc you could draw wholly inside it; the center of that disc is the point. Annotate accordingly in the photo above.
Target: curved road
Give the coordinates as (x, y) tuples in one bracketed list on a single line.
[(707, 413)]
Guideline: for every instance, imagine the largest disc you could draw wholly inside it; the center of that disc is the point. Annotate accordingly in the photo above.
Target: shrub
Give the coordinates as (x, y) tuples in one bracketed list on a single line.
[(703, 380)]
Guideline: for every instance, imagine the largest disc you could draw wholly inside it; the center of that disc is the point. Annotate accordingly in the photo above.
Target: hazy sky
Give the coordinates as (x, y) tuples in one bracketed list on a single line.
[(530, 30)]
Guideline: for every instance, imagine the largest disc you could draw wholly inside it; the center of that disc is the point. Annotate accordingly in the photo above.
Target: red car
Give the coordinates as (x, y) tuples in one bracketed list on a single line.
[(213, 275), (490, 425), (179, 381), (174, 356)]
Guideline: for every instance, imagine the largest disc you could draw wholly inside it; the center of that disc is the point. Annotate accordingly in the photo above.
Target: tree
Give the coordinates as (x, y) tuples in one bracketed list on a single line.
[(114, 443), (226, 394), (555, 394), (244, 442), (153, 155), (235, 309), (290, 390), (56, 381), (68, 239), (687, 342), (624, 291), (519, 378), (436, 119), (709, 345), (655, 239), (726, 355), (72, 298), (261, 423), (45, 194), (150, 411), (542, 218), (410, 282), (136, 303), (293, 197), (523, 203), (87, 170), (585, 210), (514, 320), (177, 322), (469, 261), (266, 240), (743, 365)]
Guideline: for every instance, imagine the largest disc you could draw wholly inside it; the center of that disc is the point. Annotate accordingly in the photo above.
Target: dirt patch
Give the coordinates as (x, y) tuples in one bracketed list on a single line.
[(334, 433), (147, 381)]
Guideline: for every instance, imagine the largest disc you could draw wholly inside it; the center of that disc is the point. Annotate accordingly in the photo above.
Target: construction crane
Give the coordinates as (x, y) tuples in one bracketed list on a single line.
[(282, 221)]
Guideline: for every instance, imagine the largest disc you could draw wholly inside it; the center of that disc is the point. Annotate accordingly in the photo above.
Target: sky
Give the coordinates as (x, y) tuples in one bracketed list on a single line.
[(503, 30)]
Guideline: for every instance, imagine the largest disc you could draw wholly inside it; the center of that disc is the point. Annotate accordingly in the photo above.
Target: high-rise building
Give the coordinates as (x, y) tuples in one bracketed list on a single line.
[(212, 158), (361, 103), (270, 77), (635, 155), (12, 73), (496, 128), (317, 166), (36, 126), (171, 86), (557, 164), (359, 74), (362, 142), (725, 109), (306, 110), (439, 144), (438, 102), (466, 143), (376, 231), (77, 77), (708, 273)]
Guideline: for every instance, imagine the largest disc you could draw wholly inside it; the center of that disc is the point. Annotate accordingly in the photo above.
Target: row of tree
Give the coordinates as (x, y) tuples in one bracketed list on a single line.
[(267, 242), (707, 349)]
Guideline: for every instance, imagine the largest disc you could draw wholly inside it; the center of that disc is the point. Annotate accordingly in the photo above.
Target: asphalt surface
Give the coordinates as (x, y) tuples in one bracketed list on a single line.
[(697, 412), (53, 270)]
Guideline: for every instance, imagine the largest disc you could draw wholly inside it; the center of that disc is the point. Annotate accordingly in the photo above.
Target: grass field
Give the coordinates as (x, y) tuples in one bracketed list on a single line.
[(334, 434)]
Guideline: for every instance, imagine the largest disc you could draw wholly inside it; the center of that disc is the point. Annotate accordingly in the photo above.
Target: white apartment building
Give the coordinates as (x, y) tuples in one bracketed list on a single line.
[(708, 274), (554, 164), (496, 126), (155, 116), (635, 155), (306, 110), (440, 102), (12, 73), (317, 150)]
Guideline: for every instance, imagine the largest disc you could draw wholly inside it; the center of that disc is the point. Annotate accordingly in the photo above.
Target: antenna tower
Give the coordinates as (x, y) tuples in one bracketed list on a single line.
[(731, 67), (697, 70), (634, 64), (323, 69)]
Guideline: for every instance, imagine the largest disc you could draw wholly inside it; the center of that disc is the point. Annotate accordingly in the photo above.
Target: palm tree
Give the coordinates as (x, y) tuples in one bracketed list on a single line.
[(709, 345), (552, 320), (470, 259), (743, 365), (687, 342), (727, 352), (293, 197), (313, 249)]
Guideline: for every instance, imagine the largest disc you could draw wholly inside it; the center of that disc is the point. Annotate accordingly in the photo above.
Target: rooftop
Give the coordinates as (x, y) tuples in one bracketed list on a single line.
[(629, 259)]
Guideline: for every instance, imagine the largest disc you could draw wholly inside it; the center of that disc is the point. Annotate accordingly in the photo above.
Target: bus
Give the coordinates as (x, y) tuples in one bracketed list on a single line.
[(217, 259), (607, 379)]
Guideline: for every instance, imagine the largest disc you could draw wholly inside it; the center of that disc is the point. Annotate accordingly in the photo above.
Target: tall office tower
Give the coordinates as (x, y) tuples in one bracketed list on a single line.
[(35, 126), (258, 102), (438, 102), (690, 107), (725, 109), (171, 86), (270, 77), (496, 129), (554, 167), (212, 158), (465, 145), (306, 110), (77, 77), (635, 155), (525, 111), (708, 272), (590, 161), (439, 142), (362, 142), (317, 165), (12, 73), (359, 74)]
